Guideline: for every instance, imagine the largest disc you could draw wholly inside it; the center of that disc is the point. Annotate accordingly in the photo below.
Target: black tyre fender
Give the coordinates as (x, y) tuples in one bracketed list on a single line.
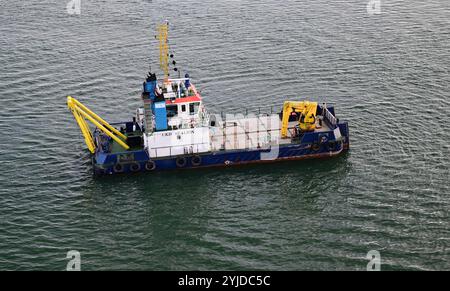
[(135, 167), (118, 168), (181, 162), (196, 161), (150, 166)]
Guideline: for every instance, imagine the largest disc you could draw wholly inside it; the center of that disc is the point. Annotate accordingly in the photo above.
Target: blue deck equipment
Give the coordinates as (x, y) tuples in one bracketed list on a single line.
[(149, 87), (159, 110)]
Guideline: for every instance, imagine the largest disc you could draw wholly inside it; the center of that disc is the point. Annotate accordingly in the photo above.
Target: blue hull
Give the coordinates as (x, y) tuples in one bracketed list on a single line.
[(138, 161)]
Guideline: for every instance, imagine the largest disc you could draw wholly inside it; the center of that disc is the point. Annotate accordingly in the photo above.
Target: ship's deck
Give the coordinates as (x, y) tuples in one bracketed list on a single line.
[(238, 135), (115, 148), (253, 132), (293, 124)]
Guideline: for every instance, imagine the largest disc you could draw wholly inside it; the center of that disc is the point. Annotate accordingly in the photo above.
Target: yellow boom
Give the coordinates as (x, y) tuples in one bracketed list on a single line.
[(163, 49), (81, 113), (307, 110)]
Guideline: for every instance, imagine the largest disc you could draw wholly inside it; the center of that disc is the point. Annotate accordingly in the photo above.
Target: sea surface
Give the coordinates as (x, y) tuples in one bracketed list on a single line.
[(387, 73)]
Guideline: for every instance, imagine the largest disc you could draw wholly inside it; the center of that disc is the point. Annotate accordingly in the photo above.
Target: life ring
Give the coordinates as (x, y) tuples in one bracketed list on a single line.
[(196, 161), (118, 168), (135, 167), (331, 146), (150, 165), (315, 147), (181, 162)]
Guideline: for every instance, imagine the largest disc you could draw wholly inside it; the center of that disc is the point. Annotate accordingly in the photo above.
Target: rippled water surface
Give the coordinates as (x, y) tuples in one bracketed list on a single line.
[(387, 74)]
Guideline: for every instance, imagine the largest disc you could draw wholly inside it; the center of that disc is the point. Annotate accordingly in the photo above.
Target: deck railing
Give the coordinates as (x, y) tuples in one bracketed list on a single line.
[(329, 116)]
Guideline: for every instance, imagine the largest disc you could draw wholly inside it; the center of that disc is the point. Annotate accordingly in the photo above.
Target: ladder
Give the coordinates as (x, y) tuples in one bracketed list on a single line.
[(148, 116)]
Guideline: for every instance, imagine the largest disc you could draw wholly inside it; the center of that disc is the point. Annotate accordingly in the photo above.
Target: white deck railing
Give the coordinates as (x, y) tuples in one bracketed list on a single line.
[(329, 116)]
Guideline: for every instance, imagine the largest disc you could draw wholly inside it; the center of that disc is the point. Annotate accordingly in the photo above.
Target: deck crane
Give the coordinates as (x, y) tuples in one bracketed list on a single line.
[(81, 113), (163, 49), (307, 118)]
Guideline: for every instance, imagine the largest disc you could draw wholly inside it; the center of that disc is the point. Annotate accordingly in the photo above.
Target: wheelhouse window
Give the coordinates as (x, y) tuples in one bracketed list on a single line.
[(193, 108), (172, 110)]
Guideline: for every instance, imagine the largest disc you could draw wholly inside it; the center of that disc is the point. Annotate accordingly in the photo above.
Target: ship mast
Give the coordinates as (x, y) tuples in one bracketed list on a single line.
[(164, 48)]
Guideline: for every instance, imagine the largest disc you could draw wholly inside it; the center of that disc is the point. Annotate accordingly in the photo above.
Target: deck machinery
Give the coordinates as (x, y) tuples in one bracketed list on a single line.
[(173, 130)]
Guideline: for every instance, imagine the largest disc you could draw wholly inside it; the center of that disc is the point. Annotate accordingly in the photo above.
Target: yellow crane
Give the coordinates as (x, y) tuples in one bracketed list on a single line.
[(163, 30), (81, 113), (307, 119)]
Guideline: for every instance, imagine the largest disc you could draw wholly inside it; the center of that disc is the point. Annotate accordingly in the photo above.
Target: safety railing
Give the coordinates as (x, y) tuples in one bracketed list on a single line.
[(329, 116)]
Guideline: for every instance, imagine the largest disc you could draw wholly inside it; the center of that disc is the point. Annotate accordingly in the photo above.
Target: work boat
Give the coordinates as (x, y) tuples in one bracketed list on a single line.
[(173, 130)]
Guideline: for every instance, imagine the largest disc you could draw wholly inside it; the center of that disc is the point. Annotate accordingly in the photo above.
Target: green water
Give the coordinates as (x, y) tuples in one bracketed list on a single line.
[(387, 74)]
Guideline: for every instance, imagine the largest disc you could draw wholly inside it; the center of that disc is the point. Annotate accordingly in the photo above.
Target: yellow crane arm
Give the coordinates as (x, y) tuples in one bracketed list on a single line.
[(81, 113), (306, 108), (163, 49), (85, 131)]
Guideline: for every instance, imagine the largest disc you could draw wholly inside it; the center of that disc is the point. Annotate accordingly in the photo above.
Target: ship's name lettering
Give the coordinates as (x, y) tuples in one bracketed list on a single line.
[(178, 133)]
